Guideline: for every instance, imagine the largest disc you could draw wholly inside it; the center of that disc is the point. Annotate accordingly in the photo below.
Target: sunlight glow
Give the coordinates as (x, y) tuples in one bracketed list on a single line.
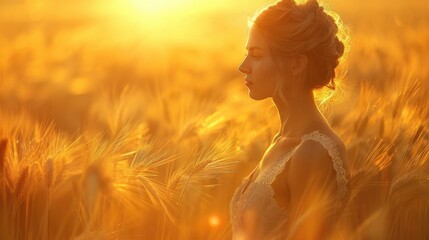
[(151, 6), (214, 221)]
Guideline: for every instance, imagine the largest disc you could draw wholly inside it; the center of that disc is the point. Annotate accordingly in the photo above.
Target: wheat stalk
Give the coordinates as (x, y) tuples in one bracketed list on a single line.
[(21, 184), (49, 172), (3, 146)]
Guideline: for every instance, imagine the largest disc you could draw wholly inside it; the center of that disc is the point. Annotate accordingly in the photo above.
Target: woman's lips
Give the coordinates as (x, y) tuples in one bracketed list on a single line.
[(248, 83)]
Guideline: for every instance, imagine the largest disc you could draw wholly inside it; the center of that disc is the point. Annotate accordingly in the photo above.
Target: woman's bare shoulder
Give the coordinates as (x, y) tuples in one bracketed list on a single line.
[(328, 134), (311, 155), (310, 170)]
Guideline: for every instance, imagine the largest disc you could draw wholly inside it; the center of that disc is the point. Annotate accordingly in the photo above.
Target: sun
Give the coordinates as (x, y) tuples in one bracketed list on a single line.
[(148, 12), (152, 7), (155, 12), (159, 21), (158, 6)]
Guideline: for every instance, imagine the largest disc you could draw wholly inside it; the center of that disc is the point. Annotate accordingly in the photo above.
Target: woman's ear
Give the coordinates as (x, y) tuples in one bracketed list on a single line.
[(299, 64)]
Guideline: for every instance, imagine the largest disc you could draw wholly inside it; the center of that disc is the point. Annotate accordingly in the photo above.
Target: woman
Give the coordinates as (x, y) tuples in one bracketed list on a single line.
[(300, 185)]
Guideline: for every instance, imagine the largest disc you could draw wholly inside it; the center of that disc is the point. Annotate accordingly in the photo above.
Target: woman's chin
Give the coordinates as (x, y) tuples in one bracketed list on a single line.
[(254, 96)]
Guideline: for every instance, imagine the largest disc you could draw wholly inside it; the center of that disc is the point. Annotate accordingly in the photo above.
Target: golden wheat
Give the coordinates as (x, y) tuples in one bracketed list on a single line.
[(115, 138)]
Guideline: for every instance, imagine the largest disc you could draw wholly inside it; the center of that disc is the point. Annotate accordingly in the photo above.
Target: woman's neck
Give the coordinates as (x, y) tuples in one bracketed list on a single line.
[(298, 116)]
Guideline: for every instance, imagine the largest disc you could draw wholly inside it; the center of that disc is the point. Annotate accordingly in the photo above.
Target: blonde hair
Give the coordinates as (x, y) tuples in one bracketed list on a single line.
[(292, 29)]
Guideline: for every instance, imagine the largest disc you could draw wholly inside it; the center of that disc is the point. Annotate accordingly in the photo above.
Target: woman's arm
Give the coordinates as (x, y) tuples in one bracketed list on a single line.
[(312, 184)]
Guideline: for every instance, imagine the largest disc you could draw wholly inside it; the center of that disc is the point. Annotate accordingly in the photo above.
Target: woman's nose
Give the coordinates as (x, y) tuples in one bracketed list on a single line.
[(244, 68)]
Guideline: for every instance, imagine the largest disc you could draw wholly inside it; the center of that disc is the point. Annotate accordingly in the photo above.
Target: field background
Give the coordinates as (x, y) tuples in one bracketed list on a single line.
[(129, 119)]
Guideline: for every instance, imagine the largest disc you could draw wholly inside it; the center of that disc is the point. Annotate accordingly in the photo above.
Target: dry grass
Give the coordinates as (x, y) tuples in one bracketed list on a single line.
[(108, 137)]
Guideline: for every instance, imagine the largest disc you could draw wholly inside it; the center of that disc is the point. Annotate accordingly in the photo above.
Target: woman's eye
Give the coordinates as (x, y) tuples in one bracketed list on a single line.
[(252, 55)]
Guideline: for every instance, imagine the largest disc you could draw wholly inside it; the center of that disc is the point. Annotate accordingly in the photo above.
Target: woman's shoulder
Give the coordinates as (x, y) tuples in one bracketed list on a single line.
[(323, 140), (317, 151), (311, 155), (311, 167)]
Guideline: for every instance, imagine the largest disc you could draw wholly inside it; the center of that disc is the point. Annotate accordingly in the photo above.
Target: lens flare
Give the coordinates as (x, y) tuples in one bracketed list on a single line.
[(214, 221)]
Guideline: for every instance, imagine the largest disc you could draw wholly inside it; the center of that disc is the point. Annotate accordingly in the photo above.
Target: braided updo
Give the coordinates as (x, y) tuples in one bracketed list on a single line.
[(292, 29)]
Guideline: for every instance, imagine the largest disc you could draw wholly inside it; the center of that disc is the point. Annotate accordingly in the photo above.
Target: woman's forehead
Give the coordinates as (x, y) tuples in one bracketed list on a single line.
[(255, 40)]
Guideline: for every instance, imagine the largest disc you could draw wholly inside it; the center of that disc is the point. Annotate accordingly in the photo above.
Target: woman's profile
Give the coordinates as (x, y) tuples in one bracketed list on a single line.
[(299, 187)]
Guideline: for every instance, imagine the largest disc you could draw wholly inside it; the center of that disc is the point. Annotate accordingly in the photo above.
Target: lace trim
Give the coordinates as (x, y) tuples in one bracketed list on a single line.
[(329, 145), (264, 182), (242, 200), (277, 168)]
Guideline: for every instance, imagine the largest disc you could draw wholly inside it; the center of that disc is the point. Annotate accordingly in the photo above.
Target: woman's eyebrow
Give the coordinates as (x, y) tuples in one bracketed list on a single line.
[(254, 48)]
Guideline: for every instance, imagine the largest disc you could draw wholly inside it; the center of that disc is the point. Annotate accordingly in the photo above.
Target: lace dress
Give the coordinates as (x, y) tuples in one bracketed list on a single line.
[(255, 214)]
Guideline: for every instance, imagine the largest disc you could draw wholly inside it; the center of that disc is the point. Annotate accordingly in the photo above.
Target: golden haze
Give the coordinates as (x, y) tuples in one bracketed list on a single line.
[(129, 119)]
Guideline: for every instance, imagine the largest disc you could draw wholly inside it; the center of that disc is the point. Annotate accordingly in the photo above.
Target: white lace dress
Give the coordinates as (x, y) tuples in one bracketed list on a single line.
[(255, 214)]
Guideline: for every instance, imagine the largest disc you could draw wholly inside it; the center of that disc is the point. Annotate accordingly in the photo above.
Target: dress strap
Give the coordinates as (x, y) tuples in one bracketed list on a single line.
[(277, 168), (334, 153)]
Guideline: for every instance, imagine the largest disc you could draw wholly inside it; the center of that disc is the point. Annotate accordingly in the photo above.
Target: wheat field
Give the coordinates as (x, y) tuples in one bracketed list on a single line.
[(130, 120)]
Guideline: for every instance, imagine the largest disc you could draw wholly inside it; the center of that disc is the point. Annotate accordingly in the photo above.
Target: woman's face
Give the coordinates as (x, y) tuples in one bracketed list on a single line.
[(259, 67)]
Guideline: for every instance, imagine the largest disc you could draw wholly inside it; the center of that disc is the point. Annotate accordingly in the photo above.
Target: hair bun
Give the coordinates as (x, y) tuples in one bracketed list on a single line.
[(285, 4), (339, 46), (313, 6), (304, 28)]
